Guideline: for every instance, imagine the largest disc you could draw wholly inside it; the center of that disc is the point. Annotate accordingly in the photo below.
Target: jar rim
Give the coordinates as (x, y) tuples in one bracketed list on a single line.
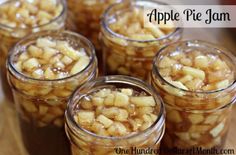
[(121, 79), (195, 43), (106, 27), (18, 46), (63, 12)]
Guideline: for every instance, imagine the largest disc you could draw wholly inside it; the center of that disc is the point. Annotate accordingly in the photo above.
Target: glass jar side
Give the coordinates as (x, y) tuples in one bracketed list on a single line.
[(86, 142), (126, 56), (195, 119), (41, 103)]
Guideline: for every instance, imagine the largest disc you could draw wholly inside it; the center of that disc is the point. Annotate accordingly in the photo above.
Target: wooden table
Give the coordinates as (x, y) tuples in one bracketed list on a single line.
[(10, 140)]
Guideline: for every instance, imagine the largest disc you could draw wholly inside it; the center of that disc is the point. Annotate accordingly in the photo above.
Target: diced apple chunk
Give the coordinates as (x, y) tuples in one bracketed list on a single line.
[(66, 60), (219, 65), (98, 101), (194, 84), (103, 93), (166, 62), (201, 61), (44, 42), (176, 84), (86, 104), (199, 128), (35, 51), (38, 73), (183, 136), (128, 92), (31, 64), (29, 107), (222, 84), (186, 78), (104, 120), (174, 116), (145, 110), (96, 127), (49, 73), (143, 101), (85, 117), (67, 50), (111, 112), (195, 135), (109, 100), (155, 30), (121, 100), (211, 119), (117, 129), (194, 72), (48, 53), (122, 115), (217, 130), (196, 118), (81, 64), (43, 109)]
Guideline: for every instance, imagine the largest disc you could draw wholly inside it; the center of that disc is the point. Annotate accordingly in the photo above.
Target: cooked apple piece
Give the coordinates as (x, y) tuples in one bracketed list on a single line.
[(194, 72), (104, 120), (143, 101), (121, 100), (111, 112), (81, 64), (122, 115), (201, 61), (98, 101), (85, 118), (222, 84), (196, 118), (109, 100), (127, 91), (174, 116), (183, 135), (217, 130), (117, 129), (166, 62)]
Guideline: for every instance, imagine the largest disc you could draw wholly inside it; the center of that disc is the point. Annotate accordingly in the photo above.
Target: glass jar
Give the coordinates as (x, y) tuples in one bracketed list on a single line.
[(2, 120), (196, 118), (86, 16), (125, 55), (88, 143), (40, 103), (11, 33)]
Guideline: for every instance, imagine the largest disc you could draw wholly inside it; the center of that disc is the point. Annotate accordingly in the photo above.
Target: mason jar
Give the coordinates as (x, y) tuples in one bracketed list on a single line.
[(43, 71), (20, 18), (86, 16), (128, 46), (196, 80), (115, 114)]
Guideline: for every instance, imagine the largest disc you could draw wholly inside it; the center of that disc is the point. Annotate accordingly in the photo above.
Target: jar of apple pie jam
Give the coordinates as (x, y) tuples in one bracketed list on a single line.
[(19, 18), (114, 114), (86, 16), (197, 83), (128, 46), (43, 71)]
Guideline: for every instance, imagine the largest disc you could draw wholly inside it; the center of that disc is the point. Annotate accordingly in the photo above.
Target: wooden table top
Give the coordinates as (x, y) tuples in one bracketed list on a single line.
[(10, 140)]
